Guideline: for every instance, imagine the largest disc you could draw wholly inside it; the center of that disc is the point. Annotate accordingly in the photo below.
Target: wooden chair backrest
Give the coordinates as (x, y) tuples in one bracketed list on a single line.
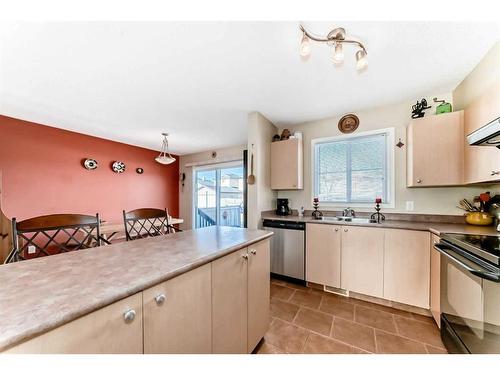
[(53, 234), (145, 222)]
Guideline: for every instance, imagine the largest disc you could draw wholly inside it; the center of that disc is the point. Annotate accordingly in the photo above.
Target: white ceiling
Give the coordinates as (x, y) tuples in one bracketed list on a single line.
[(130, 81)]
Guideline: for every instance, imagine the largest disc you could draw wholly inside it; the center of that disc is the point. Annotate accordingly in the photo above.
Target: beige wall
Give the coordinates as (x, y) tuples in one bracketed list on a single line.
[(426, 200), (483, 76), (260, 196), (201, 158)]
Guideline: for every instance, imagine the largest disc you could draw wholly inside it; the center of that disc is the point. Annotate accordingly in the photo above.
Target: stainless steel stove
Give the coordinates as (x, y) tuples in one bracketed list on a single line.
[(470, 293)]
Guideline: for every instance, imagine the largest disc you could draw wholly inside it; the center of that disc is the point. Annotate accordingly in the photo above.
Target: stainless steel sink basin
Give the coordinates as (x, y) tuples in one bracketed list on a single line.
[(347, 219)]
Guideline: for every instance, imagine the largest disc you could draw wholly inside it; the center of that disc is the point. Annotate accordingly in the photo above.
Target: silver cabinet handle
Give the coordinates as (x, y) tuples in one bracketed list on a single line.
[(336, 229), (419, 181), (493, 173), (129, 316), (245, 256), (346, 230), (253, 251), (159, 299)]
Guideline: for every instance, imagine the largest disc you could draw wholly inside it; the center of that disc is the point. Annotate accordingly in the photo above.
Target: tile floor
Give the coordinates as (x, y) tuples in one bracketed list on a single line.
[(305, 320)]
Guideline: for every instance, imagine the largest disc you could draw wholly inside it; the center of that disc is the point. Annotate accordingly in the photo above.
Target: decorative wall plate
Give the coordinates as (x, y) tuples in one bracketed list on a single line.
[(90, 164), (139, 170), (348, 123), (118, 167)]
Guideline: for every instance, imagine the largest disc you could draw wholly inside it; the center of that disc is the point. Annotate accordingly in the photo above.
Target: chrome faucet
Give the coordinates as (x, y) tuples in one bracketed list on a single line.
[(348, 212)]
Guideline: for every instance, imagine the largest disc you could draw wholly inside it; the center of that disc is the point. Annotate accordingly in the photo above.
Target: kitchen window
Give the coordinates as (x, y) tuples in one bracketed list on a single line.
[(354, 169)]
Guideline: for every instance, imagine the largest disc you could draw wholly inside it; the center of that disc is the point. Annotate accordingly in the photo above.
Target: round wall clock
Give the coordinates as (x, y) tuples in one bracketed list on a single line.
[(90, 164), (118, 167), (348, 123)]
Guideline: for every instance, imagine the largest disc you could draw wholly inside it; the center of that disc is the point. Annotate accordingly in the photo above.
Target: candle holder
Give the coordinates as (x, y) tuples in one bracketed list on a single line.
[(316, 214), (377, 216)]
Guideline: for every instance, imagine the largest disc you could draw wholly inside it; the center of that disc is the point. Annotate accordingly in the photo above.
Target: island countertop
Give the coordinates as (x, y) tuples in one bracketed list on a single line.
[(41, 294)]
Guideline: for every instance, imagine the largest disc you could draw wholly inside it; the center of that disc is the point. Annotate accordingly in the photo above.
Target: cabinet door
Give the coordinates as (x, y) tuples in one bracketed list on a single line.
[(435, 292), (363, 260), (178, 314), (435, 153), (229, 303), (407, 267), (104, 331), (258, 292), (323, 254), (481, 162), (286, 164)]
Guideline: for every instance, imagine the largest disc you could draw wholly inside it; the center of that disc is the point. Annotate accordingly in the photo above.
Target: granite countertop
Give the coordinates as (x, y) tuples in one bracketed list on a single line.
[(433, 227), (41, 294)]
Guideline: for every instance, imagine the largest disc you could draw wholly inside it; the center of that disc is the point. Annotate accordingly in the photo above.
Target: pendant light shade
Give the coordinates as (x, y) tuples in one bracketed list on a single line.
[(165, 157), (361, 60), (305, 46)]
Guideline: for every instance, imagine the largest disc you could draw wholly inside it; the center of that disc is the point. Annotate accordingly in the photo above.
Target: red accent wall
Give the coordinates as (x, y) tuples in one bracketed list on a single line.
[(43, 174)]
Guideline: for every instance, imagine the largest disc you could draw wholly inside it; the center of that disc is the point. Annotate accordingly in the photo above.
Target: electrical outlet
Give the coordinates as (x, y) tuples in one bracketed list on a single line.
[(31, 249), (410, 206)]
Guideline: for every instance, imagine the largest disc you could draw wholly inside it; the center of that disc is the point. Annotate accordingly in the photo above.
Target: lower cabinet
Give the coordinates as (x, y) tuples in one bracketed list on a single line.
[(407, 267), (114, 329), (178, 314), (392, 264), (363, 260), (323, 244), (435, 282), (259, 269), (229, 303), (240, 299)]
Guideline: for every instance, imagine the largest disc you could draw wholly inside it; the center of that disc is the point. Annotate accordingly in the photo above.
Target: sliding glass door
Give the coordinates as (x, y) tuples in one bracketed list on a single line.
[(218, 195)]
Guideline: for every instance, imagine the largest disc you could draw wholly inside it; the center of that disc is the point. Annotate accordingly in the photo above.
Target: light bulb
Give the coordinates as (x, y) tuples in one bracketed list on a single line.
[(361, 60), (338, 55), (305, 47)]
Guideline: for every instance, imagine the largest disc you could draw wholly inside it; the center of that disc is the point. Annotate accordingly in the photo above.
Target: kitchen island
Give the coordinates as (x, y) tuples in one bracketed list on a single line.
[(192, 291)]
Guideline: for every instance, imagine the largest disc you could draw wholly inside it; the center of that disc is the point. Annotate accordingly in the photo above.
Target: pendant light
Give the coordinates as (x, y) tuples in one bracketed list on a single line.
[(165, 157)]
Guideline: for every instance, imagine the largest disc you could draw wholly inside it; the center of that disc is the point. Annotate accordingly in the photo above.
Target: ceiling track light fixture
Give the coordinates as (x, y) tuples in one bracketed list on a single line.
[(336, 39), (165, 157)]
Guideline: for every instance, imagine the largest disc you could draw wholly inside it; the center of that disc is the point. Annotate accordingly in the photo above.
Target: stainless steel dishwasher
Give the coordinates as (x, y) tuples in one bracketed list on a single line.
[(287, 248)]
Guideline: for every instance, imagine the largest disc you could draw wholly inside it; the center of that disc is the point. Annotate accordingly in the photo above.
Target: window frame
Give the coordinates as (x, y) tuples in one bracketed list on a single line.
[(390, 167)]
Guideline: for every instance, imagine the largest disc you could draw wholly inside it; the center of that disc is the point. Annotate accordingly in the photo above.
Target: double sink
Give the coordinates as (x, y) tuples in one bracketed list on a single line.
[(348, 219)]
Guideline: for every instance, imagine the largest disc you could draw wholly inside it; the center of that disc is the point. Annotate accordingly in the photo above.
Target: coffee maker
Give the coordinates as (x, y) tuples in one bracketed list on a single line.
[(282, 208)]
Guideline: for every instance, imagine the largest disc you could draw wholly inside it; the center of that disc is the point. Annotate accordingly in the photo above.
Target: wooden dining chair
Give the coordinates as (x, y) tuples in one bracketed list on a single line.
[(146, 222), (53, 234)]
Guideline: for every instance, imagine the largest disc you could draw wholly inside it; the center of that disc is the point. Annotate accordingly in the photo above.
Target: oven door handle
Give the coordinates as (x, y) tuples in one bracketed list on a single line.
[(484, 274)]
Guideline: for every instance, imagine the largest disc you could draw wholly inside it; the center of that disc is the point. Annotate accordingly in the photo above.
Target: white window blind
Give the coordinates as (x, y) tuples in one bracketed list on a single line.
[(352, 170)]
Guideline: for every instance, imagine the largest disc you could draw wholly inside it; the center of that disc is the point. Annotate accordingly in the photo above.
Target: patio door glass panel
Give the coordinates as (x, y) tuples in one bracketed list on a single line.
[(218, 196)]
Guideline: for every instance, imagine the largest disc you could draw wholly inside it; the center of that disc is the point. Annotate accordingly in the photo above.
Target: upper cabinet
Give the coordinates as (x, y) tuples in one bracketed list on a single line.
[(435, 153), (287, 164), (482, 163)]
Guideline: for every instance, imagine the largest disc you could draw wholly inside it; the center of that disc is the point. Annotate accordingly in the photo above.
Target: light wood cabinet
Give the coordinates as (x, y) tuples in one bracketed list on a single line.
[(178, 314), (230, 303), (435, 150), (481, 161), (363, 260), (287, 164), (407, 267), (259, 269), (435, 281), (104, 331), (323, 254)]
